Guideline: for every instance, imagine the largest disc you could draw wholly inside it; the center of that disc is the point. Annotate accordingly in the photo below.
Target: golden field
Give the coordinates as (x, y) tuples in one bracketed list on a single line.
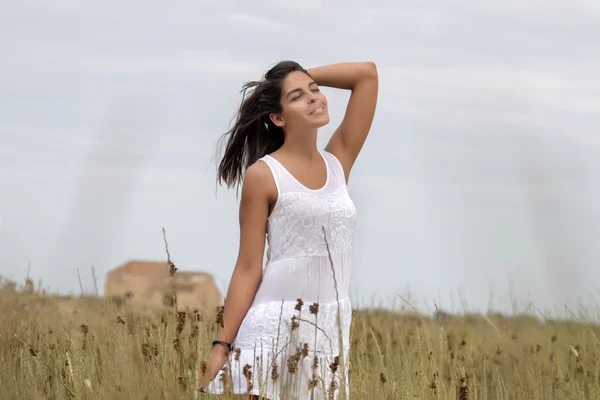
[(91, 348)]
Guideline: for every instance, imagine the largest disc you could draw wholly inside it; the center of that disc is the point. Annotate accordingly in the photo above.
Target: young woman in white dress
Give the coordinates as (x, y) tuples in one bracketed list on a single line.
[(285, 329)]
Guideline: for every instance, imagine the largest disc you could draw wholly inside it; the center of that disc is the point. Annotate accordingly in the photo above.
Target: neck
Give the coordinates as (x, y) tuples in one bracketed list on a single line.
[(303, 144)]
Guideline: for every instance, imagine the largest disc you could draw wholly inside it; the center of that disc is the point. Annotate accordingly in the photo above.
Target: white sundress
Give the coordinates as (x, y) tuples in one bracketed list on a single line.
[(306, 230)]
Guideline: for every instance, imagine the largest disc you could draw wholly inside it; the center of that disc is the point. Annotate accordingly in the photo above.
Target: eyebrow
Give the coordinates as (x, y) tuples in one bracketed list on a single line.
[(299, 89)]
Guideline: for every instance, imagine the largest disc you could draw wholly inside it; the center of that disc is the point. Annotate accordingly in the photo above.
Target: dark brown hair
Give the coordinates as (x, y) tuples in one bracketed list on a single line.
[(253, 134)]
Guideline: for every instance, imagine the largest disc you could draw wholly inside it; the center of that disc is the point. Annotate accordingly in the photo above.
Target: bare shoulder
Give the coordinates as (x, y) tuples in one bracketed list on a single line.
[(253, 215), (258, 182)]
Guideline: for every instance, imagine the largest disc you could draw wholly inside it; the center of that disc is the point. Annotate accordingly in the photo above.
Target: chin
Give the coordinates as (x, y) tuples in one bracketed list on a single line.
[(323, 121)]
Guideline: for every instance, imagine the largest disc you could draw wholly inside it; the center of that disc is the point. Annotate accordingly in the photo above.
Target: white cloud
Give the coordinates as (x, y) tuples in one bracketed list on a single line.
[(8, 150), (558, 11), (391, 184), (486, 80), (175, 63), (305, 5), (479, 95), (254, 21)]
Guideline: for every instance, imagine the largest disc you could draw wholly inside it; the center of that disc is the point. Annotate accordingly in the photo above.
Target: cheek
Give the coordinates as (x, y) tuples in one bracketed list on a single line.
[(323, 98), (295, 110)]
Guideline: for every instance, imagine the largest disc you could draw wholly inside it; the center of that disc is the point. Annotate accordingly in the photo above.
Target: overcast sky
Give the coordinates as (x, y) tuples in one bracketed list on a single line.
[(480, 177)]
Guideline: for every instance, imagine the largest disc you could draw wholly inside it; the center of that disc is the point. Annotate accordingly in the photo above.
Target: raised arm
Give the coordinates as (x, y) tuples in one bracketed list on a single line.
[(258, 189), (362, 79)]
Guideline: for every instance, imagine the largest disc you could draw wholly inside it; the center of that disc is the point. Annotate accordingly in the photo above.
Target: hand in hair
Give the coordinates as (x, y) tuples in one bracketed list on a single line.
[(362, 79)]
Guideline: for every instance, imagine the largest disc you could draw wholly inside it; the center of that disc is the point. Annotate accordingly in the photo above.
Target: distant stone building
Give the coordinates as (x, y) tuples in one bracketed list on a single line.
[(148, 283)]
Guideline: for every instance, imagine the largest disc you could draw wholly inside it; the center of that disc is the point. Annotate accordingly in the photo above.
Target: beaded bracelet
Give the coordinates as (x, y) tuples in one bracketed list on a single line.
[(227, 345)]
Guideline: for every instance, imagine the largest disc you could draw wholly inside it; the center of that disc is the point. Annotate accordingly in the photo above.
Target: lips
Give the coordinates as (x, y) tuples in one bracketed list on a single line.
[(317, 111)]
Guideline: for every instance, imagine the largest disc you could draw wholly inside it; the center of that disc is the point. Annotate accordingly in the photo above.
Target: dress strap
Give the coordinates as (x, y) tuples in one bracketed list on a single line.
[(338, 176), (273, 167)]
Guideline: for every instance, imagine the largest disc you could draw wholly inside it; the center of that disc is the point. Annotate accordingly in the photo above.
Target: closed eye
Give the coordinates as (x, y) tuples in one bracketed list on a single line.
[(300, 95)]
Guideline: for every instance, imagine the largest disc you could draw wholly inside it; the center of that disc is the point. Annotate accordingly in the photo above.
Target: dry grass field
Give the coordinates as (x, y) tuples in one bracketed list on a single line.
[(92, 348)]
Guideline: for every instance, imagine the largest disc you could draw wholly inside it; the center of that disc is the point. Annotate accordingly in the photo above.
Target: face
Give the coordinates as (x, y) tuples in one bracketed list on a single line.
[(303, 104)]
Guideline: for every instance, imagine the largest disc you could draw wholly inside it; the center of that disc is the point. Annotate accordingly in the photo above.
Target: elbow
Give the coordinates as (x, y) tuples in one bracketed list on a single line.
[(371, 69), (250, 269), (366, 74)]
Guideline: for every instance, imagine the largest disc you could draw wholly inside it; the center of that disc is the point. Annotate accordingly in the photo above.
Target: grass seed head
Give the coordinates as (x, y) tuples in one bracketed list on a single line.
[(314, 308), (295, 323), (275, 372), (219, 319)]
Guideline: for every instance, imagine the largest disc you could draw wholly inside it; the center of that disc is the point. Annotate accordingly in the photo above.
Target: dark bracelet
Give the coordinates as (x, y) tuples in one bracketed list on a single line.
[(222, 343)]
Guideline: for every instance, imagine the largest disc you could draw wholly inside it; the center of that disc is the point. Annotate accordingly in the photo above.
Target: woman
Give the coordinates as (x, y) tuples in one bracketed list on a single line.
[(284, 331)]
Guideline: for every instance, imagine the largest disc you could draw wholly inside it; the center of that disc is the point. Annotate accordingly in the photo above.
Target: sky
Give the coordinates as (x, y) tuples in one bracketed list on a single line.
[(477, 188)]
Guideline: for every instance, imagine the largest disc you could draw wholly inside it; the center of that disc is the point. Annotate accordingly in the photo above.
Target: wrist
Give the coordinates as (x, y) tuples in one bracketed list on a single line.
[(227, 347)]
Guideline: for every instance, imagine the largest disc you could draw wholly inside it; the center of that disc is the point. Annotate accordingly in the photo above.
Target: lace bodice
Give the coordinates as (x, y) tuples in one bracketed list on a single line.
[(295, 227)]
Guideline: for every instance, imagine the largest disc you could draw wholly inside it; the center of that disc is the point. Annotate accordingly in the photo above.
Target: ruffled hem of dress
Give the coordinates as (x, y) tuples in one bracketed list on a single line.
[(269, 388)]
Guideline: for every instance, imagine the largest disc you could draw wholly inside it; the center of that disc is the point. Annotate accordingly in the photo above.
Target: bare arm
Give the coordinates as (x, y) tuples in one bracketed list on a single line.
[(362, 79), (247, 274), (258, 191)]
